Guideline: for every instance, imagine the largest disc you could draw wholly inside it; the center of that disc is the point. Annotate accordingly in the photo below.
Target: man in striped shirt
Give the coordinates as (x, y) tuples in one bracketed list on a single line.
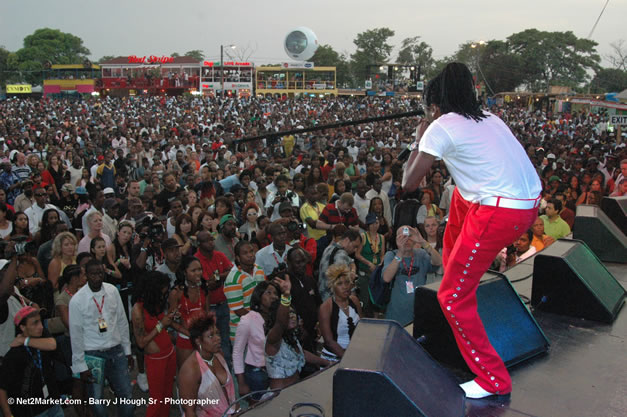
[(240, 283)]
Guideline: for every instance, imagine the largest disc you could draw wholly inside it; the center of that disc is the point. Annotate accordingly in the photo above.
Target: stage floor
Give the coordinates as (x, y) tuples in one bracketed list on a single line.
[(584, 373)]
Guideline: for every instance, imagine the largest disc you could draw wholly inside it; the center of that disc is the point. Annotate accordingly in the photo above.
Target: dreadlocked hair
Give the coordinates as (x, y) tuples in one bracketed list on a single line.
[(290, 336), (452, 90), (150, 292)]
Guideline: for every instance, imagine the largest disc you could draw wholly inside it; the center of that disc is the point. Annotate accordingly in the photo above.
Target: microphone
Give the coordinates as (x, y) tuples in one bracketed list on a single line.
[(404, 155)]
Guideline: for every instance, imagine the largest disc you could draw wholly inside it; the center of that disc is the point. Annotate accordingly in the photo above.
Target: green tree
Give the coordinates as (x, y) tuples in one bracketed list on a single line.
[(326, 56), (493, 64), (608, 80), (416, 52), (8, 64), (106, 58), (175, 55), (196, 54), (554, 58), (48, 45), (373, 50)]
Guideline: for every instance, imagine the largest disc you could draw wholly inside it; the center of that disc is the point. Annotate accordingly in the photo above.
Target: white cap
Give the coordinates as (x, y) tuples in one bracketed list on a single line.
[(108, 190)]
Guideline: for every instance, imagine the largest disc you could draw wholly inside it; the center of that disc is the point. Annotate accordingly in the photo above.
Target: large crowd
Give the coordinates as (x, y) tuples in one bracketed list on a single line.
[(143, 235)]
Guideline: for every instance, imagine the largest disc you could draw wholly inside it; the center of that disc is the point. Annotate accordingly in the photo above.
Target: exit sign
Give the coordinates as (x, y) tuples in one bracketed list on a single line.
[(618, 120)]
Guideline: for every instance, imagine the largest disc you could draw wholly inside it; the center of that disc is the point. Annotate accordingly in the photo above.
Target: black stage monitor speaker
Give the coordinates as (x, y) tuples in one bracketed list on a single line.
[(511, 329), (616, 210), (385, 372), (601, 235), (569, 279)]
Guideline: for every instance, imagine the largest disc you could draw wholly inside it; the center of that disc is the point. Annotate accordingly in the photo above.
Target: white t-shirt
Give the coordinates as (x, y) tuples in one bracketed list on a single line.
[(484, 158)]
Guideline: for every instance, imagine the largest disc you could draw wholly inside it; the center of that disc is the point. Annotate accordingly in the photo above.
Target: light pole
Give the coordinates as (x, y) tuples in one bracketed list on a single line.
[(476, 45), (222, 67)]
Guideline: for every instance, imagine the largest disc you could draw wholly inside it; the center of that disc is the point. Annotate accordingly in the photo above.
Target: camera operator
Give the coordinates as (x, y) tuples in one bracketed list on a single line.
[(147, 255), (282, 194), (274, 255)]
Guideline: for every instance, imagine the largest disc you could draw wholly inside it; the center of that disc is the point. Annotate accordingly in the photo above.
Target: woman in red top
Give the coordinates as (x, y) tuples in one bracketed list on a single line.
[(149, 326), (190, 295)]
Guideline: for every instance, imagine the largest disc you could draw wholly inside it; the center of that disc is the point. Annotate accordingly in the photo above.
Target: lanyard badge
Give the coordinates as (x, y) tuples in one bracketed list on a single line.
[(102, 324)]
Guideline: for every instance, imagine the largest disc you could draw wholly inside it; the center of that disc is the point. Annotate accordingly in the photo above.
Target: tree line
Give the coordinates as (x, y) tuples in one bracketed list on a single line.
[(531, 59)]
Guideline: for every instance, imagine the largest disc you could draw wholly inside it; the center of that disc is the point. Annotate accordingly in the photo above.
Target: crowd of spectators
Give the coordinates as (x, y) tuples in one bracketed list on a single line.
[(144, 232)]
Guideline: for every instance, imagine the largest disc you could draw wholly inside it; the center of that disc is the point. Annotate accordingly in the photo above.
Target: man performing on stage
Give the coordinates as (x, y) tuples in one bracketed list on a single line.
[(496, 200)]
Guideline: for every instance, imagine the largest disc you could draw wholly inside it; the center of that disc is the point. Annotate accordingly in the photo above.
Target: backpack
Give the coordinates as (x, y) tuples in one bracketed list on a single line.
[(379, 290)]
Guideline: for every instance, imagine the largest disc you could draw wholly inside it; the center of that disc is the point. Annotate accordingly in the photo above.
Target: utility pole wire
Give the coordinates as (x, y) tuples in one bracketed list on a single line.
[(598, 18)]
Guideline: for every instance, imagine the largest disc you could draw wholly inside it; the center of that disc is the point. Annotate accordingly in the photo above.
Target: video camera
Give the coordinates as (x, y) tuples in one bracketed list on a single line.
[(279, 272), (22, 246), (155, 228)]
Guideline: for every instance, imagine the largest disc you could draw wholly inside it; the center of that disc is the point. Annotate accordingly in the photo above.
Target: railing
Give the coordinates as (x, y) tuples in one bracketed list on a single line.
[(146, 83), (295, 85)]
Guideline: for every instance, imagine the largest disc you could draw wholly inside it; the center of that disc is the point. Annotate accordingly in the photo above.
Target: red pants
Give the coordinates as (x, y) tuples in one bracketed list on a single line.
[(160, 371), (474, 236)]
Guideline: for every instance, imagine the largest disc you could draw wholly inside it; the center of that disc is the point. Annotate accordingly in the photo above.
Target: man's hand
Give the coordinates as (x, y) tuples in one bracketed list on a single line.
[(548, 241), (87, 377), (243, 389), (18, 341)]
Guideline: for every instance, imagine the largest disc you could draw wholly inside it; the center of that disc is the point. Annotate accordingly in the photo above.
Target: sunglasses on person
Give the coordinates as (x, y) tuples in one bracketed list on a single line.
[(40, 194), (252, 214)]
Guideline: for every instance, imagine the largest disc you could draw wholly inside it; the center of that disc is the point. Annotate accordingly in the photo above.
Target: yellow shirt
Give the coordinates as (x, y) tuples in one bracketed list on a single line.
[(307, 211)]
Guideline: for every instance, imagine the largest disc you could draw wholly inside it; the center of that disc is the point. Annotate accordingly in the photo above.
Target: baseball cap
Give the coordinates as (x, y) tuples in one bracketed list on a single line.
[(170, 243), (371, 218), (284, 206), (226, 218), (22, 313), (68, 187), (108, 190), (81, 191)]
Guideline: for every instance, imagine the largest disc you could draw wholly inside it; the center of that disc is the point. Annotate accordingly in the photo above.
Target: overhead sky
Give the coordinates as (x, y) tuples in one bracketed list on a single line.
[(160, 27)]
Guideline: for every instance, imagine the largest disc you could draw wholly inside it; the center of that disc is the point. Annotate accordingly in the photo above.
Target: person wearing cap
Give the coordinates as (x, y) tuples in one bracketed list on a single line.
[(99, 327), (111, 210), (105, 172), (226, 240), (487, 211), (172, 256), (68, 202), (30, 358), (26, 199)]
